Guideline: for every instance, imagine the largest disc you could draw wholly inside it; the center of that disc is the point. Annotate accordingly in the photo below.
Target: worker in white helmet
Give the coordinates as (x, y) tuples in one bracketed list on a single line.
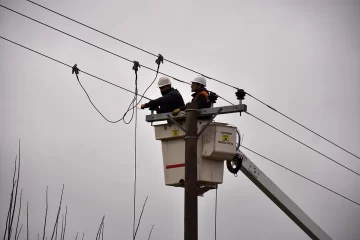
[(171, 98), (200, 95)]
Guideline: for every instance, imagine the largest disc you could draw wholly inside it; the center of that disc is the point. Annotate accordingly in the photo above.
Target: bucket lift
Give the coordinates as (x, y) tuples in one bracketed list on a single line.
[(217, 143)]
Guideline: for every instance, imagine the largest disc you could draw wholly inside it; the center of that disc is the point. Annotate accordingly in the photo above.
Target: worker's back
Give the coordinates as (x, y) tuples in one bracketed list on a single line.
[(201, 97), (171, 100)]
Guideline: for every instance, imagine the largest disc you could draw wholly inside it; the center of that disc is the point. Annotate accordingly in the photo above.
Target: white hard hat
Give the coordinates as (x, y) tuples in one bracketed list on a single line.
[(199, 79), (163, 81)]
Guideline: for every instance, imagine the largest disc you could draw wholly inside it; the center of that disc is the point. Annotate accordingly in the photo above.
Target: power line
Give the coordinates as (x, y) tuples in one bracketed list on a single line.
[(303, 143), (194, 71), (297, 140), (282, 114), (123, 117), (122, 41), (148, 98), (91, 75), (301, 175), (91, 44)]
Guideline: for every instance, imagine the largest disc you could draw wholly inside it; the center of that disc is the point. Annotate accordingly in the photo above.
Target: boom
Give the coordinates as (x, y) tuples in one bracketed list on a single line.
[(250, 170)]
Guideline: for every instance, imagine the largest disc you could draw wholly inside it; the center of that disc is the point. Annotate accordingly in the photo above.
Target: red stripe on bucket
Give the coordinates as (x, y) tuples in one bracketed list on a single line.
[(175, 165)]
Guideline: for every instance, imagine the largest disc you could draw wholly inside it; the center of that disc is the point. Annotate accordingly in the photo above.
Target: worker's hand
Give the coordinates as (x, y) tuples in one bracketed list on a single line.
[(143, 106), (176, 112)]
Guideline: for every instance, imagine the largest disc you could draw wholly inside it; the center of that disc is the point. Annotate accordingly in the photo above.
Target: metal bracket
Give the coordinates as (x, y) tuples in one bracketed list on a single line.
[(176, 123), (208, 123), (204, 189), (191, 137), (202, 113)]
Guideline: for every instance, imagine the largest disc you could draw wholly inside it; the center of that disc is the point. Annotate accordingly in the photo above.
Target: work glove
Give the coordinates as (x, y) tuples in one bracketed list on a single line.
[(176, 112), (143, 106)]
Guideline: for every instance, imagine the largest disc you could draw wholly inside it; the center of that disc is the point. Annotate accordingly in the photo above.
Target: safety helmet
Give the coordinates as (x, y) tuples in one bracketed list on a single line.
[(163, 81), (199, 79)]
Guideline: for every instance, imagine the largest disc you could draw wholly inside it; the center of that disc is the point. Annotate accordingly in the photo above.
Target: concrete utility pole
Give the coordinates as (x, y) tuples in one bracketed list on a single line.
[(191, 201)]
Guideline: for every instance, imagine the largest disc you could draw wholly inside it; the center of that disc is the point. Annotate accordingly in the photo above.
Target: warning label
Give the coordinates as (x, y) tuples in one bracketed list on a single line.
[(174, 133), (225, 138)]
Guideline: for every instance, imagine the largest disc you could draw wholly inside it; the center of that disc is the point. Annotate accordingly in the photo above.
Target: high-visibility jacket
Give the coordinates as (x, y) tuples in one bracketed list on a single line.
[(201, 96)]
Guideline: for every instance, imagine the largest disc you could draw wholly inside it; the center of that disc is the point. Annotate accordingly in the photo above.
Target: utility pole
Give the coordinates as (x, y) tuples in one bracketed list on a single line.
[(191, 199)]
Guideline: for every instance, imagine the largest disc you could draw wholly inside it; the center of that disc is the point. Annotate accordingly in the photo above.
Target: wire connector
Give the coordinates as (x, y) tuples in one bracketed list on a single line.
[(136, 66), (160, 59), (240, 94), (213, 97), (75, 69)]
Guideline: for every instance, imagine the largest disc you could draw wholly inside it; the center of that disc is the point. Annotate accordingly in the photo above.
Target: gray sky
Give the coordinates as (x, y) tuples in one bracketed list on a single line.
[(301, 57)]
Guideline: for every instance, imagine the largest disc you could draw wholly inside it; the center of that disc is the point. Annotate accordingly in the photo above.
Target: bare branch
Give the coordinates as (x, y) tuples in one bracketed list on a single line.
[(151, 232), (140, 217), (62, 227), (17, 223), (56, 230), (102, 231), (63, 237), (98, 233), (16, 192), (57, 217), (18, 234), (27, 220), (10, 205), (46, 212)]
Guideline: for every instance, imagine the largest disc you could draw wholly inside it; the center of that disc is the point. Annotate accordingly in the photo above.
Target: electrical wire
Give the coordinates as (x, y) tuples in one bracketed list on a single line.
[(301, 125), (123, 118), (125, 90), (216, 200), (194, 71), (294, 140), (149, 99), (300, 175), (55, 60), (303, 144), (91, 44), (144, 96), (135, 156)]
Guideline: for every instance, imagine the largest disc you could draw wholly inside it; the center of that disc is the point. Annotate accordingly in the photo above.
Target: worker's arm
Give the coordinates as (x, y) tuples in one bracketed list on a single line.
[(159, 101)]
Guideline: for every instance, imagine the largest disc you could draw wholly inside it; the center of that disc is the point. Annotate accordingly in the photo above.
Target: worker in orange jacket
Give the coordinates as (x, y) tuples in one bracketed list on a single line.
[(200, 95)]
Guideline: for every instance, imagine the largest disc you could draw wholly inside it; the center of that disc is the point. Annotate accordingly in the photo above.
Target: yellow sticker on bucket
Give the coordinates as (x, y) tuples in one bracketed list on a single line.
[(175, 133), (225, 138)]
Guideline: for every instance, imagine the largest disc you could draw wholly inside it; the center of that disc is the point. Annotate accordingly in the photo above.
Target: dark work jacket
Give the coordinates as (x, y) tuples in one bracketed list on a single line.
[(170, 101), (202, 100)]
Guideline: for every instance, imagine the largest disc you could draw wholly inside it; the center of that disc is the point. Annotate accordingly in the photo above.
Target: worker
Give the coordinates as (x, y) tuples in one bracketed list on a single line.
[(171, 98), (200, 95)]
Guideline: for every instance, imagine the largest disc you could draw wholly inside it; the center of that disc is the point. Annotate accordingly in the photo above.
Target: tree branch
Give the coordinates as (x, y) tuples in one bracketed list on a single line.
[(63, 237), (140, 217), (18, 234), (46, 212), (15, 200), (11, 203), (98, 233), (57, 217), (17, 223), (151, 232)]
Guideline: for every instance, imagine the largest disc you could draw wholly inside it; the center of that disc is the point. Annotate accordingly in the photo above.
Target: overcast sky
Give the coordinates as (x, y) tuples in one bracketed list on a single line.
[(301, 57)]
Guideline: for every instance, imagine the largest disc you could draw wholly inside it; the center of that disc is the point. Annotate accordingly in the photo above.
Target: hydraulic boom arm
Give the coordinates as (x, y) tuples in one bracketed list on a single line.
[(270, 189)]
